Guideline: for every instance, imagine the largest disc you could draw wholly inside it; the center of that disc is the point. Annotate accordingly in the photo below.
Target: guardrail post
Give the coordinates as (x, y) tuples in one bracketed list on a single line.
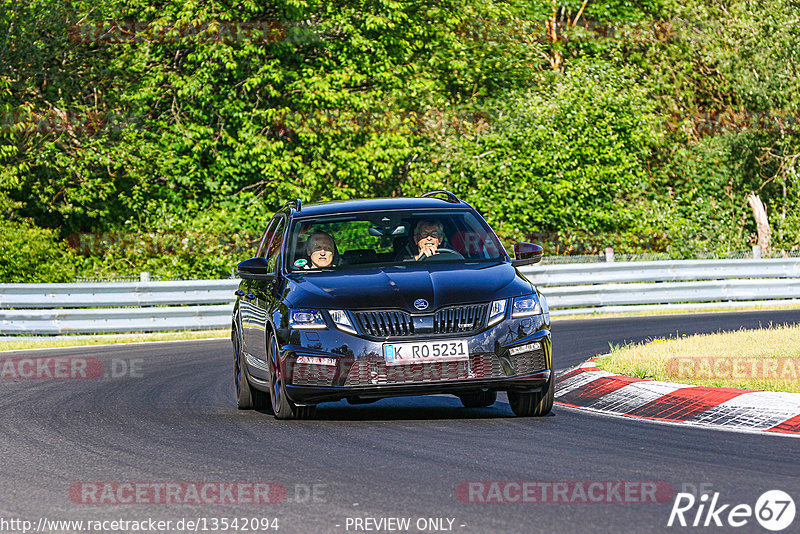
[(144, 277), (609, 255), (756, 252)]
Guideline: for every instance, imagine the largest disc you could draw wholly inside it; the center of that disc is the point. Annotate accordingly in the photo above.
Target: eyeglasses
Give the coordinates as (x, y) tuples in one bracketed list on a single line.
[(319, 248), (434, 234)]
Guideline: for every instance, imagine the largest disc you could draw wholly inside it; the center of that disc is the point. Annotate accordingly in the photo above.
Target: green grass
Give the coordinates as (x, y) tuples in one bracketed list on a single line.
[(766, 359), (81, 341)]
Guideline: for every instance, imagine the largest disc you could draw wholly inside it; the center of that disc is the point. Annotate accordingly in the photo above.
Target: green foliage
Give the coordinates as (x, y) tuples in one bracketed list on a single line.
[(175, 128), (563, 159), (31, 254)]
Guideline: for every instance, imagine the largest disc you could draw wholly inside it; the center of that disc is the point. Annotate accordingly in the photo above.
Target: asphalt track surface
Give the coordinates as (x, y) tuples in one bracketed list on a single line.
[(176, 420)]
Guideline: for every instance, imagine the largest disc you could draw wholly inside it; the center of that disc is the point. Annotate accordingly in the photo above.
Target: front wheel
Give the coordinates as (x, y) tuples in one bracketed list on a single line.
[(282, 405), (247, 397), (536, 404)]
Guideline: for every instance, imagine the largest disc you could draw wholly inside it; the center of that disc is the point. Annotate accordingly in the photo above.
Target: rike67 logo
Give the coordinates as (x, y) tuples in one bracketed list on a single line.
[(774, 510)]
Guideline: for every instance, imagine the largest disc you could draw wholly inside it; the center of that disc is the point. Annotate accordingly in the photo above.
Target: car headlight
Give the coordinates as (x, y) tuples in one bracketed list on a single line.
[(306, 319), (526, 306), (342, 321), (497, 312)]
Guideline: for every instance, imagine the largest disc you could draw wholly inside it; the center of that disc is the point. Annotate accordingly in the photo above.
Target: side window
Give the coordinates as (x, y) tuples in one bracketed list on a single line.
[(273, 249), (267, 237)]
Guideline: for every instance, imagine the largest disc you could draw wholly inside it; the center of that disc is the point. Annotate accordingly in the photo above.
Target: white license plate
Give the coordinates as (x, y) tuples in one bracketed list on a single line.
[(450, 350)]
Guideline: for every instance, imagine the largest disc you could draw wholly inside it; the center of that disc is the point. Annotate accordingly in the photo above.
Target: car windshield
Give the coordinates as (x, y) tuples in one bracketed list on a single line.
[(383, 238)]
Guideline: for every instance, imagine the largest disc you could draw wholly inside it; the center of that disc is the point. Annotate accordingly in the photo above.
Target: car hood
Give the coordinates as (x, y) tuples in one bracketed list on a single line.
[(397, 287)]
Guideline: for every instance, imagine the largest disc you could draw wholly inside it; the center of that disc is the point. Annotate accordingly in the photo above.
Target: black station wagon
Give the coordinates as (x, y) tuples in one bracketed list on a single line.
[(368, 299)]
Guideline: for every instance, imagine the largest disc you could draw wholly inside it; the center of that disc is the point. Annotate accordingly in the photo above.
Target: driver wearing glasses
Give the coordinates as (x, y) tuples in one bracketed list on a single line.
[(428, 235)]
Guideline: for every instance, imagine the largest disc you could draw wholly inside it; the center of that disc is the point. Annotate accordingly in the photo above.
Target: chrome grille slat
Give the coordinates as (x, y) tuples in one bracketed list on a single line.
[(376, 325), (367, 324), (402, 324), (388, 324), (363, 322), (382, 324), (392, 317)]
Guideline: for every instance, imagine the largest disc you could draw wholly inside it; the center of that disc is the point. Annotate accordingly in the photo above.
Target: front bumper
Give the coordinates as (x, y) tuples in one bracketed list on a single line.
[(315, 394), (356, 366)]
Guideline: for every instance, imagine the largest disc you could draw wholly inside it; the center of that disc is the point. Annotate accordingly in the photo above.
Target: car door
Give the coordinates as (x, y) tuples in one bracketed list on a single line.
[(251, 307), (264, 300)]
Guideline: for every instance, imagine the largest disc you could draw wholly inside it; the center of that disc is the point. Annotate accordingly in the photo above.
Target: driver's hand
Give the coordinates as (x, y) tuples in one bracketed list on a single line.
[(427, 250)]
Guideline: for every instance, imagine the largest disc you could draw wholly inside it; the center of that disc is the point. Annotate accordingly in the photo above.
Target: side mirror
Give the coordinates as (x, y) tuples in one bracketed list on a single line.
[(527, 254), (255, 269)]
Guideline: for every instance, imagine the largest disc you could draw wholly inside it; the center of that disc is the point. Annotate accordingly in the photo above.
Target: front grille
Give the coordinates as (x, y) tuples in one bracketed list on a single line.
[(459, 319), (391, 323), (384, 323)]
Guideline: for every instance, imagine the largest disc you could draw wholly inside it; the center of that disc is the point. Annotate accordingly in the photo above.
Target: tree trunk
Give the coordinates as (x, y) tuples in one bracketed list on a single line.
[(552, 33), (762, 223)]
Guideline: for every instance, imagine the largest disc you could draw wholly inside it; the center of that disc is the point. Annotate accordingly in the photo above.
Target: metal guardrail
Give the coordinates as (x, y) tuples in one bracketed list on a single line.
[(660, 271), (85, 295), (110, 320), (572, 288), (92, 308), (663, 285)]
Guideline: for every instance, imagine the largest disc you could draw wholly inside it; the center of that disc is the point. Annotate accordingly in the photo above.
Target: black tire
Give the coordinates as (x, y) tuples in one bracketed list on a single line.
[(481, 399), (244, 401), (282, 405), (536, 404), (247, 397)]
